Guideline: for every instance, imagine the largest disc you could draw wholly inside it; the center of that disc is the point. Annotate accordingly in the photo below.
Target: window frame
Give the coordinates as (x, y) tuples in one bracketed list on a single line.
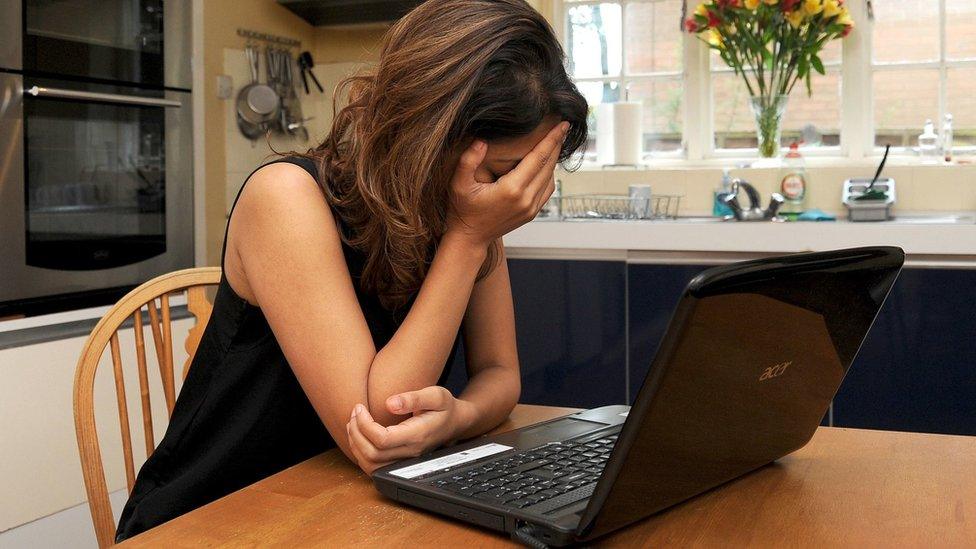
[(625, 78), (943, 65), (856, 71)]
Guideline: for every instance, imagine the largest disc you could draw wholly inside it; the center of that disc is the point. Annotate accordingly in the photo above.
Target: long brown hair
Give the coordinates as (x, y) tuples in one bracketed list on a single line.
[(449, 71)]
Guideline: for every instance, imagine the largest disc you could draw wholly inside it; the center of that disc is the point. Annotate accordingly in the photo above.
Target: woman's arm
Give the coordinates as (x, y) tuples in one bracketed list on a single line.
[(437, 417), (494, 383), (415, 356), (295, 271)]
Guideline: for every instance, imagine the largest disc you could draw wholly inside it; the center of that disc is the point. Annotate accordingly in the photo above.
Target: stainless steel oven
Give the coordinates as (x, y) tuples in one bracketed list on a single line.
[(96, 191)]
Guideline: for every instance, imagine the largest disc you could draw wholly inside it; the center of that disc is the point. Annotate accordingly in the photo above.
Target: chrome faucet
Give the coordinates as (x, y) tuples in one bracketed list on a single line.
[(754, 212)]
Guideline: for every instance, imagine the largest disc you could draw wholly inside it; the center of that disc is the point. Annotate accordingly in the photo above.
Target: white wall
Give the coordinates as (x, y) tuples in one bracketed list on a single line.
[(40, 472)]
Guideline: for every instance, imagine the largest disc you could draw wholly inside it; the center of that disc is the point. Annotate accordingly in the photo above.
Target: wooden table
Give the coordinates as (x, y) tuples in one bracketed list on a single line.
[(848, 487)]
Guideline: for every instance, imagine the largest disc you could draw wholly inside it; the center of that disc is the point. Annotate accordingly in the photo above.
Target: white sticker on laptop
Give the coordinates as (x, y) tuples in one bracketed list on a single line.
[(451, 460)]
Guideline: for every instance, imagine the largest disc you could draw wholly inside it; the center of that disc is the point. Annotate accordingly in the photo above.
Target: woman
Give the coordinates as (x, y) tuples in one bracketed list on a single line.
[(350, 270)]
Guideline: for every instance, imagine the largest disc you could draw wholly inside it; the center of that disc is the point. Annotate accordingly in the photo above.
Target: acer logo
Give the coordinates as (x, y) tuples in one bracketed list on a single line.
[(775, 371)]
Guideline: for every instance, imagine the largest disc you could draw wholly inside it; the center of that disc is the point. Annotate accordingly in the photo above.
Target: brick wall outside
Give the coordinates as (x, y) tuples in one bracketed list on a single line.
[(904, 30)]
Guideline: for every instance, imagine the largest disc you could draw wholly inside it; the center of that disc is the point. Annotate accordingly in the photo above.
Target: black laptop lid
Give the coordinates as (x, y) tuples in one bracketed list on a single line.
[(753, 356)]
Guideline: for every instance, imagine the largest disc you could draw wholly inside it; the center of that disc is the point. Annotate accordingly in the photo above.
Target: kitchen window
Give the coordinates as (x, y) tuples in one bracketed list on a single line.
[(923, 67), (631, 50), (915, 60)]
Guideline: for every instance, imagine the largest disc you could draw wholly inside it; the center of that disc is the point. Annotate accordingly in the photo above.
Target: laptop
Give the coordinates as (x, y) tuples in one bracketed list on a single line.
[(753, 355)]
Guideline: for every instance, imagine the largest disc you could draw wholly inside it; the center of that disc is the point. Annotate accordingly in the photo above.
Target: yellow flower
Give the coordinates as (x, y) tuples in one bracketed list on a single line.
[(813, 7), (771, 2), (752, 4), (795, 18), (845, 19), (831, 8), (714, 38), (701, 10)]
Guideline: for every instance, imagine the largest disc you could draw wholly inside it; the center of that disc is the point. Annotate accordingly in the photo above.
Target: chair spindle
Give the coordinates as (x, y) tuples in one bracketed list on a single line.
[(130, 475), (147, 424)]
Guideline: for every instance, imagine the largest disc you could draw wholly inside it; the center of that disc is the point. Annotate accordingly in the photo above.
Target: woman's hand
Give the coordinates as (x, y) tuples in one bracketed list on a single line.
[(437, 419), (484, 212)]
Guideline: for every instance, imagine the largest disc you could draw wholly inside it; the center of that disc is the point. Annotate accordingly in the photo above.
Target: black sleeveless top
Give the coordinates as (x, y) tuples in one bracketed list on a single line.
[(241, 414)]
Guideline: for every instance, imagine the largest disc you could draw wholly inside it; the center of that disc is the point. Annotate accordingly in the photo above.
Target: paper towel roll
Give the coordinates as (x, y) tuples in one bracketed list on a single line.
[(619, 136)]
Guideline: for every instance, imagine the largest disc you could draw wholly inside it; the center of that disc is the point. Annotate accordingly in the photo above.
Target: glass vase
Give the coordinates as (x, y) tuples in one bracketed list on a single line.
[(769, 111)]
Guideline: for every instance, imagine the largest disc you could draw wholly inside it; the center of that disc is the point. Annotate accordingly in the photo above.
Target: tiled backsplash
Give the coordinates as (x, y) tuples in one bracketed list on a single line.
[(919, 188)]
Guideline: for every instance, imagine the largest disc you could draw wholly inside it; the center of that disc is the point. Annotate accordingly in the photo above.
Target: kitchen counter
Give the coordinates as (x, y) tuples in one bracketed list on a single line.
[(943, 240)]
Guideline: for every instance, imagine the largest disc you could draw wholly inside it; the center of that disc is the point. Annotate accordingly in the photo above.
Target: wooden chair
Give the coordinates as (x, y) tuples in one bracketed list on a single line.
[(194, 283)]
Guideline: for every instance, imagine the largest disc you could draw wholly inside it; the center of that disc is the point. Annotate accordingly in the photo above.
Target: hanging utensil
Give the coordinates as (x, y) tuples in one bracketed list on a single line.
[(291, 117), (305, 63), (257, 103), (247, 121)]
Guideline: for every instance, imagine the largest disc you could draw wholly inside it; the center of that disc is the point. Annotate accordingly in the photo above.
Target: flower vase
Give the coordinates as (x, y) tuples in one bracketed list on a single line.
[(769, 111)]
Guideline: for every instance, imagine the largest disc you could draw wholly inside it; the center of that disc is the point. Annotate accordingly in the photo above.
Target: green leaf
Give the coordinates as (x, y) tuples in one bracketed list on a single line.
[(802, 67), (809, 85), (817, 64)]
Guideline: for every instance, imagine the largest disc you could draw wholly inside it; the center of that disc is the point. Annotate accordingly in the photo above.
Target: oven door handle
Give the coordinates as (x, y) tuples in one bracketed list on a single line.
[(38, 91)]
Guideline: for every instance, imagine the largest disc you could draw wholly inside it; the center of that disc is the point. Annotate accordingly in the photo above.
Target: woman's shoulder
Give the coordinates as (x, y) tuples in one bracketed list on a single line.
[(280, 216), (281, 187)]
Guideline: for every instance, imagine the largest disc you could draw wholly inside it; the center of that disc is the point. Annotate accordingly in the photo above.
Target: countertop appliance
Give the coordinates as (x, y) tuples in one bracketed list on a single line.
[(872, 209), (96, 189)]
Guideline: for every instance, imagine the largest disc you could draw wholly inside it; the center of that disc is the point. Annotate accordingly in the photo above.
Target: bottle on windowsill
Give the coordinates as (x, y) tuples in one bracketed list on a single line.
[(947, 138), (794, 185), (719, 207)]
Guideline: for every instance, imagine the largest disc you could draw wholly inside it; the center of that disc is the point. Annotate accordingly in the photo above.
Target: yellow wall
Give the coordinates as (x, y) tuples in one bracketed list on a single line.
[(221, 19), (347, 44), (335, 51)]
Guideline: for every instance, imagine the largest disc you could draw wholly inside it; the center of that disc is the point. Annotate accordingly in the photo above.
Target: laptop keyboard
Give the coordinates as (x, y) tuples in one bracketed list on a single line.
[(540, 479)]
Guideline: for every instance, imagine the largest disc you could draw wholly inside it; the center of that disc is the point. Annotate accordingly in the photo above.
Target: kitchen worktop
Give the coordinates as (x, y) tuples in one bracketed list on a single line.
[(952, 238)]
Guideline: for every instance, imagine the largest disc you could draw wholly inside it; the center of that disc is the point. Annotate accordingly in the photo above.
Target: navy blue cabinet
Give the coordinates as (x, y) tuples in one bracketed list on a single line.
[(917, 368), (570, 329), (654, 291), (570, 326), (588, 330)]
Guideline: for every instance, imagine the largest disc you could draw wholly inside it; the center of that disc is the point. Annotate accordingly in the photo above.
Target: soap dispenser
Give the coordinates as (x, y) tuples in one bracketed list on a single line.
[(719, 207)]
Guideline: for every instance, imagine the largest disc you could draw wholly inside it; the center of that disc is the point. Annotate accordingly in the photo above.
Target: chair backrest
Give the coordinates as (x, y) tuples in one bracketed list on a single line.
[(194, 283)]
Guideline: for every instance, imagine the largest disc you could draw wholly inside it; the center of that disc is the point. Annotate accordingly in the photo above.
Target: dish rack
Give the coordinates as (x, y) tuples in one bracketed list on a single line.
[(608, 206)]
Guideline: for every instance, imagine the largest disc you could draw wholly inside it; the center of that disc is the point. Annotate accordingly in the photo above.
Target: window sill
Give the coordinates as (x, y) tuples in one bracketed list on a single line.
[(811, 161)]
